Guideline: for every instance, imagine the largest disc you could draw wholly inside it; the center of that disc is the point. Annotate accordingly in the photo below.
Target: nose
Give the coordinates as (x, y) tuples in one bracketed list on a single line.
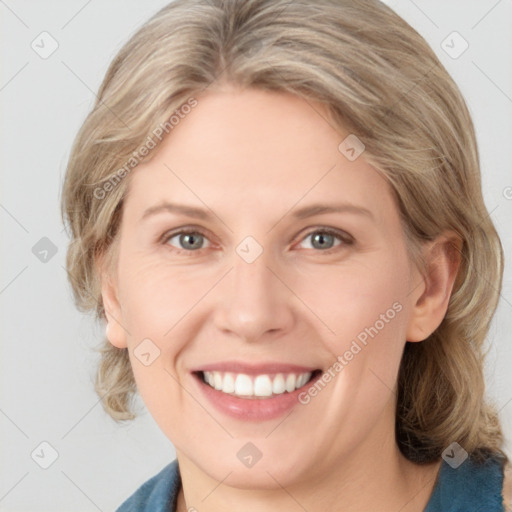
[(255, 301)]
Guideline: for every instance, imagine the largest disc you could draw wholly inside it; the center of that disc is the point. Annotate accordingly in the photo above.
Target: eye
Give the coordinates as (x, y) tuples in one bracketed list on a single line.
[(187, 240), (192, 240), (324, 239)]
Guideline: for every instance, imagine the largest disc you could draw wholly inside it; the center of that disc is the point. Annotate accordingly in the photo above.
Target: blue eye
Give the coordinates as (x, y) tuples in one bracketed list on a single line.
[(189, 240), (323, 239)]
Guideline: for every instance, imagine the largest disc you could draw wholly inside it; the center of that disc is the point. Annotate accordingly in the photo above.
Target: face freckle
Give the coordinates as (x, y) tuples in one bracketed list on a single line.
[(262, 298)]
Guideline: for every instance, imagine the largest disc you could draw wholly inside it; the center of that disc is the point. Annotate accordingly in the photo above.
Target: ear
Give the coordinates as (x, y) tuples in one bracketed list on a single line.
[(115, 331), (442, 258)]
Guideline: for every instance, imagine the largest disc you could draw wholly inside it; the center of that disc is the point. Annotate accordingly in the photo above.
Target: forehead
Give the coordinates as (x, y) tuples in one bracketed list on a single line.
[(256, 150)]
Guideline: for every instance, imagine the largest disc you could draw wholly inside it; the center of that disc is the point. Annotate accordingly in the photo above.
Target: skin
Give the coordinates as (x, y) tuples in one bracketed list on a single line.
[(253, 157)]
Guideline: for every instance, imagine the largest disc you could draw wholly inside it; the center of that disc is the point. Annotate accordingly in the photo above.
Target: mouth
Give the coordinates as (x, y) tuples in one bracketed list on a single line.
[(256, 386), (254, 392)]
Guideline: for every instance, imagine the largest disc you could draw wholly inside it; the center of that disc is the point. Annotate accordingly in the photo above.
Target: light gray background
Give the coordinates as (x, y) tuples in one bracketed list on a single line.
[(47, 365)]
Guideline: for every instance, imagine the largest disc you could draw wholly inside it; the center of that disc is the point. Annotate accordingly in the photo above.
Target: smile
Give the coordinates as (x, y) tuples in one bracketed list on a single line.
[(258, 386), (254, 392)]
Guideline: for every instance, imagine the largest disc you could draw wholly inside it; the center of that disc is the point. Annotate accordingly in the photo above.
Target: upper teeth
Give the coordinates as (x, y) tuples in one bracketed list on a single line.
[(261, 385)]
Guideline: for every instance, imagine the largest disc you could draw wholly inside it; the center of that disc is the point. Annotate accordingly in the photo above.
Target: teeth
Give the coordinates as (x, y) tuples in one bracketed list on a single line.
[(217, 380), (228, 385), (301, 381), (291, 380), (244, 385), (262, 385), (278, 386)]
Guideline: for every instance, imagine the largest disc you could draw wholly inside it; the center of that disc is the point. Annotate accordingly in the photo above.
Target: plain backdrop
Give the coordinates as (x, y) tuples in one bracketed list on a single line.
[(47, 361)]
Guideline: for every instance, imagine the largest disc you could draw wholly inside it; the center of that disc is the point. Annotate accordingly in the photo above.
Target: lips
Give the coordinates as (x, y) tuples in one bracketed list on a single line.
[(254, 392), (271, 368)]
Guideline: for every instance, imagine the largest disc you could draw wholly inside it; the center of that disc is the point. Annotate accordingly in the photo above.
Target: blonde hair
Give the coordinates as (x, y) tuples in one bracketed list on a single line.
[(380, 80)]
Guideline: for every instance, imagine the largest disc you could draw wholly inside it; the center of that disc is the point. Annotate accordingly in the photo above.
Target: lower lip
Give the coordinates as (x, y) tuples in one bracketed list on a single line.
[(253, 409)]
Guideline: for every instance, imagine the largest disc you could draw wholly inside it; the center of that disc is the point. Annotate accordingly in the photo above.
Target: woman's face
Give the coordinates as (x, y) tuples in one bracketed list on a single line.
[(296, 268)]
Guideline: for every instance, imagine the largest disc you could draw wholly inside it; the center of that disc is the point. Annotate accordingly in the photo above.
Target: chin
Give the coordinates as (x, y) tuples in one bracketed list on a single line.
[(269, 472)]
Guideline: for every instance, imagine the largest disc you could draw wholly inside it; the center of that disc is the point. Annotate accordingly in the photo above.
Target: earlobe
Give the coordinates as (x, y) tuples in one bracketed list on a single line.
[(115, 332), (442, 258)]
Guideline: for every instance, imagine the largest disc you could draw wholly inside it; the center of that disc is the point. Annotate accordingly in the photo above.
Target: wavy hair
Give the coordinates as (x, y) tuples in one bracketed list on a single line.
[(379, 79)]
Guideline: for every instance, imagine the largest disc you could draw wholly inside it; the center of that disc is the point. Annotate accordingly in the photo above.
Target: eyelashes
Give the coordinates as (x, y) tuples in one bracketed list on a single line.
[(344, 238), (183, 232), (193, 235)]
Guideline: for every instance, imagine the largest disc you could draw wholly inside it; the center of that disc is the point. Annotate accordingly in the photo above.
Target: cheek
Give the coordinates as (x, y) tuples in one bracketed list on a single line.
[(158, 303), (155, 308), (366, 311), (156, 296), (158, 387), (351, 299)]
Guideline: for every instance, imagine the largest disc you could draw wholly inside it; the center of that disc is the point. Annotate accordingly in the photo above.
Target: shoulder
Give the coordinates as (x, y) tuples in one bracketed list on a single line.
[(507, 487), (158, 494), (472, 485)]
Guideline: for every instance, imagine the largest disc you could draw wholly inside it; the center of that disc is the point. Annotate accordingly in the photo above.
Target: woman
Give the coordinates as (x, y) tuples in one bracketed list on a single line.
[(276, 209)]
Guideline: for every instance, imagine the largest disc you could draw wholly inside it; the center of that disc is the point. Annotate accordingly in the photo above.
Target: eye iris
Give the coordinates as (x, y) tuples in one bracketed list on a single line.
[(321, 237), (321, 240), (187, 240)]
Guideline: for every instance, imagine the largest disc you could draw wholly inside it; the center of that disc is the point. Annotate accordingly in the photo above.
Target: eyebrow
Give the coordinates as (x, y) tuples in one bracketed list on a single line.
[(301, 213)]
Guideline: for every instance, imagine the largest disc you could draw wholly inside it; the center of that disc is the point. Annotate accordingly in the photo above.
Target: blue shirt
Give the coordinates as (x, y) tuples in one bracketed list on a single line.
[(469, 488)]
